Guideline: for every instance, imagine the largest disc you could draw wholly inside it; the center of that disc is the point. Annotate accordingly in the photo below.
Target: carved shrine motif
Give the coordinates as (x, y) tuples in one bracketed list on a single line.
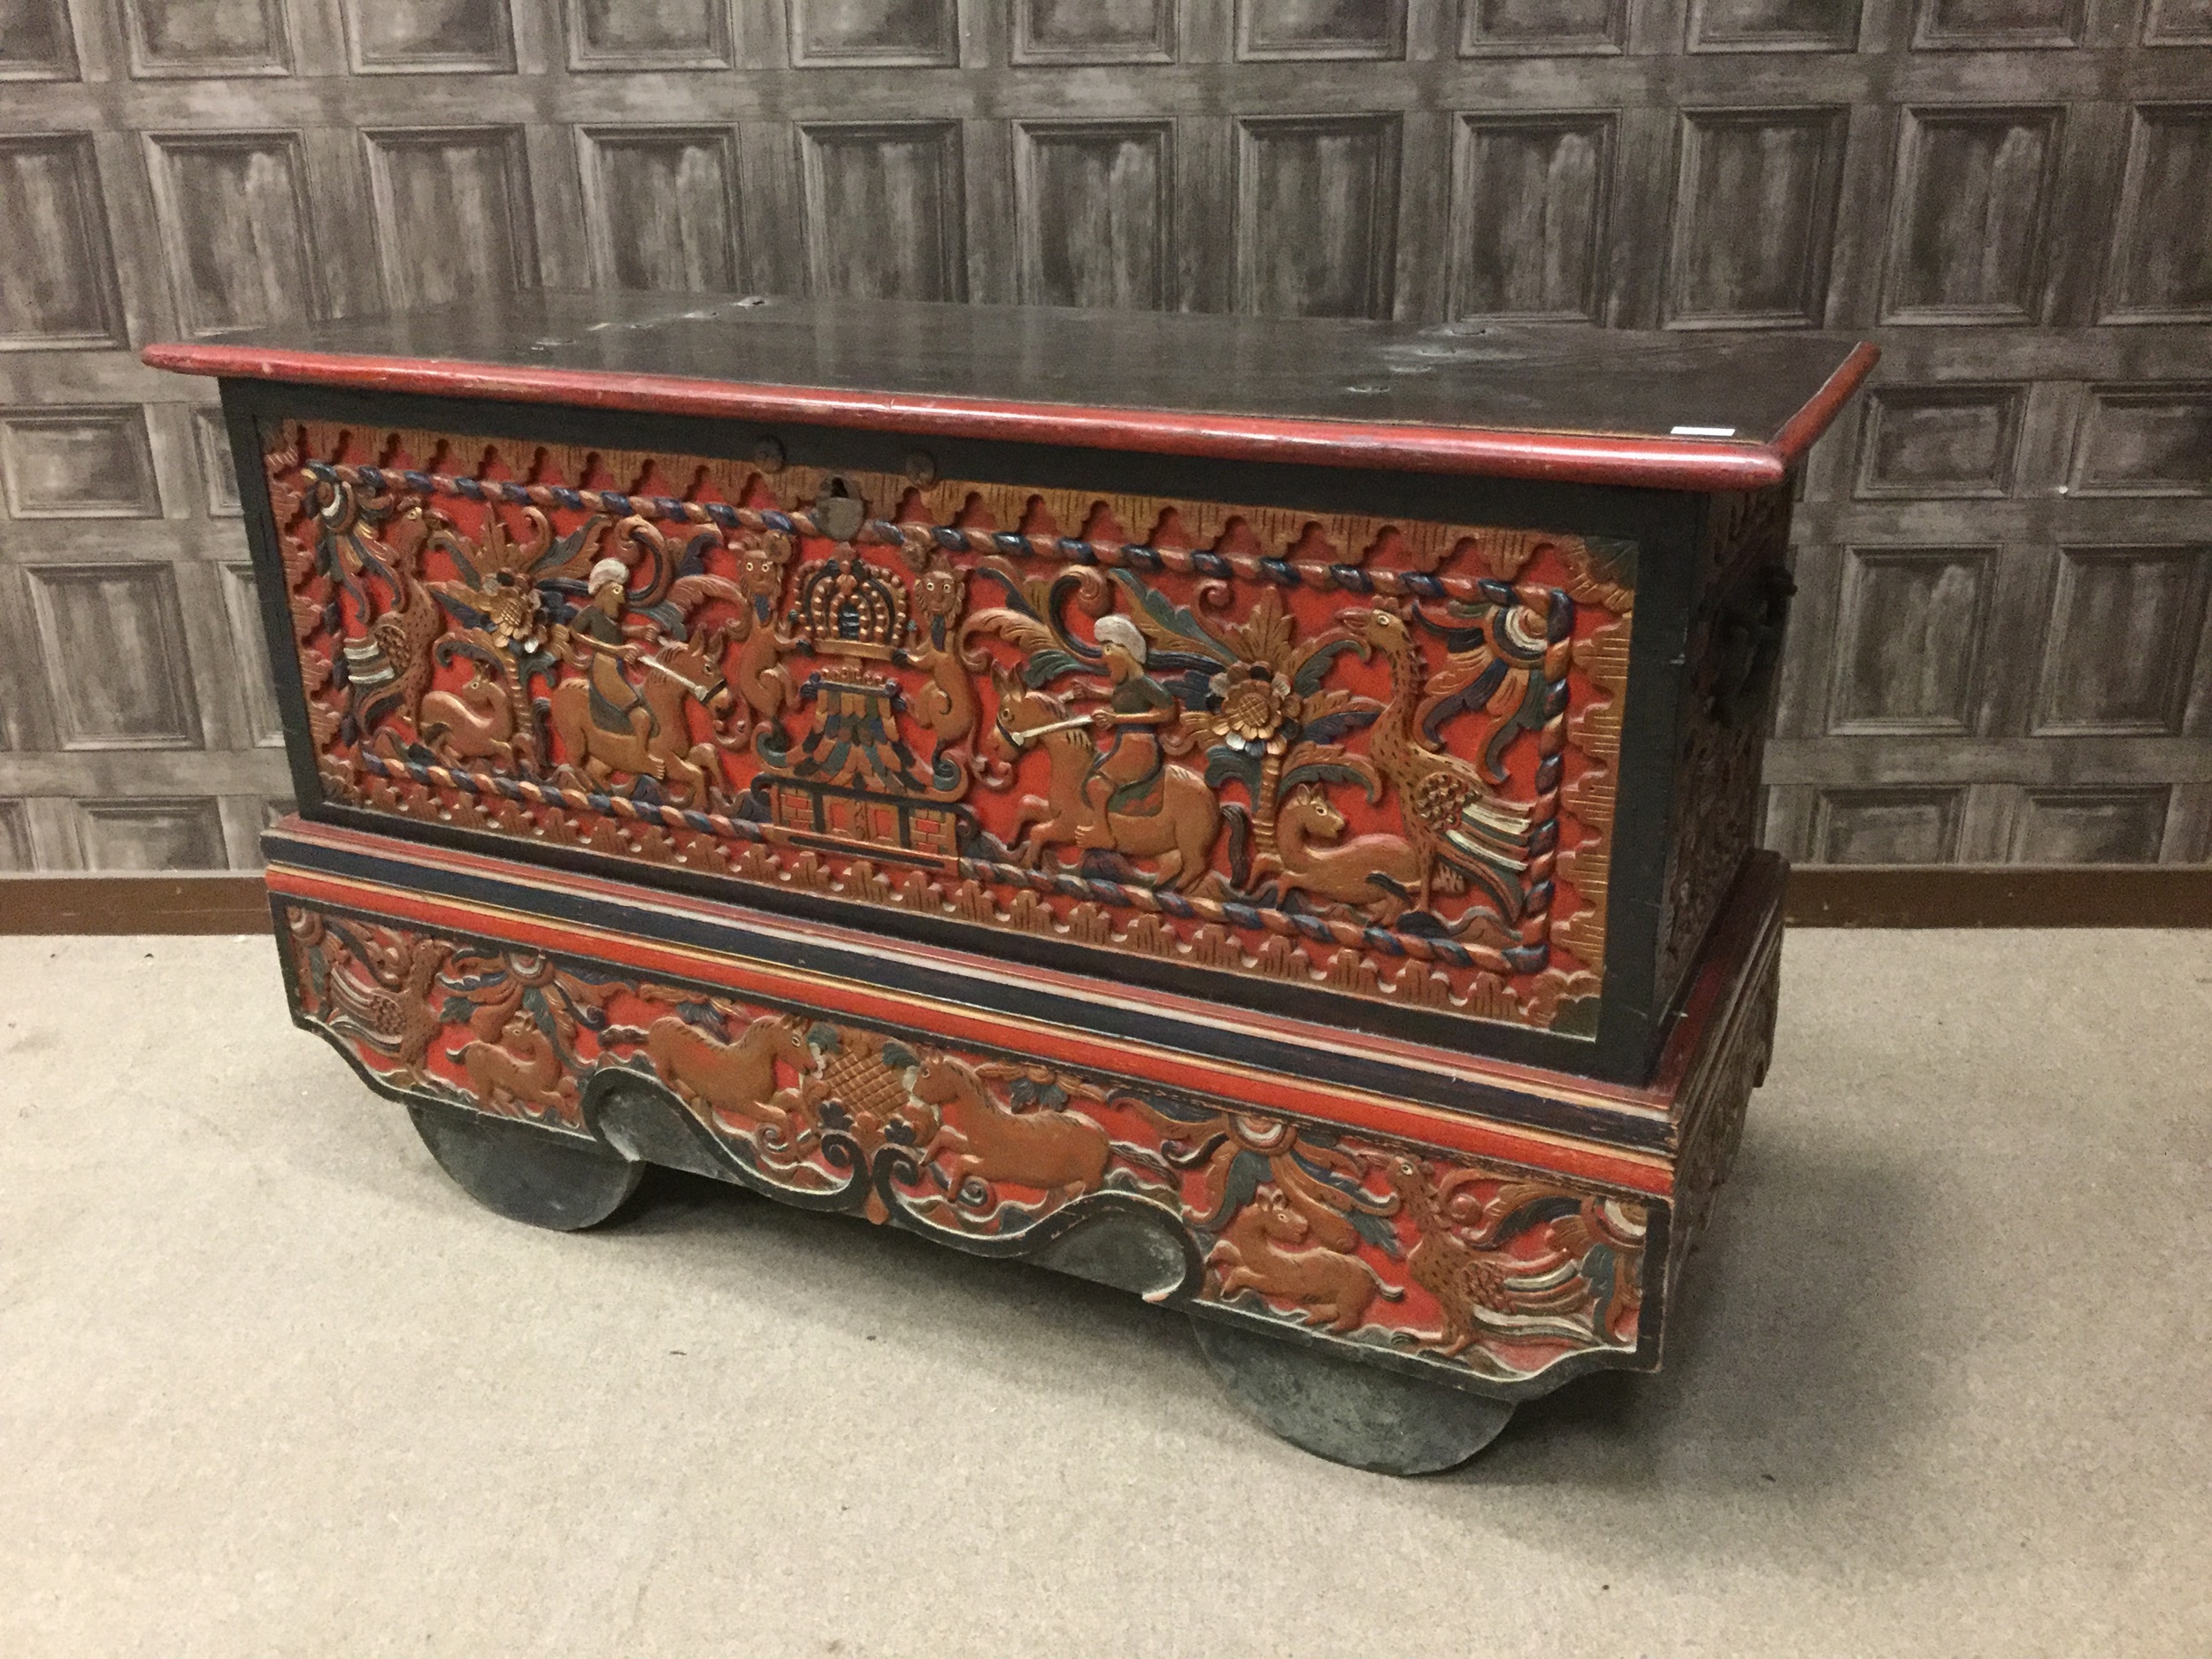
[(1374, 756), (1490, 1270)]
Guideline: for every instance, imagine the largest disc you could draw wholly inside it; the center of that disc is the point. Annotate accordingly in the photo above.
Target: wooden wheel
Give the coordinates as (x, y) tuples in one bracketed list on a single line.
[(1350, 1413), (526, 1173)]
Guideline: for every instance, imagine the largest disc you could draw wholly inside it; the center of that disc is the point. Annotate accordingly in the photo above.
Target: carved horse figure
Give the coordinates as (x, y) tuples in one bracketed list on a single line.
[(734, 1083), (1051, 1151), (1181, 834), (665, 753)]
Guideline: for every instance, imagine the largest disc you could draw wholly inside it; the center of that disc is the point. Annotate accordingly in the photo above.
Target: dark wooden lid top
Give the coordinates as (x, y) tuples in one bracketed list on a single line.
[(1697, 410)]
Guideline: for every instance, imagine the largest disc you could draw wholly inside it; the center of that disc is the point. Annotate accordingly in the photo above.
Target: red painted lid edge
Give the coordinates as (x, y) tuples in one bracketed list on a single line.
[(1568, 458)]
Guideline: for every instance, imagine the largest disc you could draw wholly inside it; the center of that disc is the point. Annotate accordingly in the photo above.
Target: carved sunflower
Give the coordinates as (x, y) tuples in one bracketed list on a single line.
[(512, 614), (1250, 705)]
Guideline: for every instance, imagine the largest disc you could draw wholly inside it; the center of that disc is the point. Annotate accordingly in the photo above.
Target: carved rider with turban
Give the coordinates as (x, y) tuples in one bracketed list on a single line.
[(616, 705), (1125, 775)]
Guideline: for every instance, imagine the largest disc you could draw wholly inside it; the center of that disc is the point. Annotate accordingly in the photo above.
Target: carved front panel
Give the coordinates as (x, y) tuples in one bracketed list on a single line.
[(1496, 1274), (1373, 755)]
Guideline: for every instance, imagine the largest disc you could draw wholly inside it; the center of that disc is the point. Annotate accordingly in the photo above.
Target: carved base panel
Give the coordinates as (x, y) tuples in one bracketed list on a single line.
[(1375, 1229)]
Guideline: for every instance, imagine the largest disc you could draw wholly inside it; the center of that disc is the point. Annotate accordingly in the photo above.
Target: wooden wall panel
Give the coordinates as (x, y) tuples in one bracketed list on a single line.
[(1317, 215), (254, 262), (37, 42), (1093, 214), (202, 38), (632, 34), (114, 637), (453, 213), (1093, 31), (661, 207), (1754, 216), (884, 212), (1528, 217), (57, 279), (2000, 647)]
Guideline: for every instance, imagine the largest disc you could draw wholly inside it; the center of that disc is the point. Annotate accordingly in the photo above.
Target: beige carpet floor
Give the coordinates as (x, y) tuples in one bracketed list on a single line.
[(1940, 1383)]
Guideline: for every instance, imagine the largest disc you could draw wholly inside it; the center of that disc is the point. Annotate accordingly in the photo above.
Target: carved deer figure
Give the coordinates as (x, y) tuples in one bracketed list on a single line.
[(1374, 872), (733, 1083), (1058, 1152), (1269, 1248), (474, 723), (522, 1068)]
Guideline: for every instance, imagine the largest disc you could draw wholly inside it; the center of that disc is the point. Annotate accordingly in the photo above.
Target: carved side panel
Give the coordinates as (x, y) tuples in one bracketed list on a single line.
[(1734, 649), (1374, 756), (1496, 1274)]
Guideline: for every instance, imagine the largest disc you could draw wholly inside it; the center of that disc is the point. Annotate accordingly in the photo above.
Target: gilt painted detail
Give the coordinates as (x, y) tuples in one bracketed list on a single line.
[(1368, 755)]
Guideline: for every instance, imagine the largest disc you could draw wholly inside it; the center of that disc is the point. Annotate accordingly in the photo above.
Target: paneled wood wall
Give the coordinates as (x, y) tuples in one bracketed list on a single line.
[(2000, 652)]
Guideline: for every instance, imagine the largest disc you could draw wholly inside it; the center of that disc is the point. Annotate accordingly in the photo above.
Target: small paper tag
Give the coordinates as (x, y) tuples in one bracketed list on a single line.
[(1703, 431)]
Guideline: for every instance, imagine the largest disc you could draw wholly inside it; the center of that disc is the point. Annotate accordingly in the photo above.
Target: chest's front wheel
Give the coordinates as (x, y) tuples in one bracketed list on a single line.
[(1347, 1412), (525, 1173)]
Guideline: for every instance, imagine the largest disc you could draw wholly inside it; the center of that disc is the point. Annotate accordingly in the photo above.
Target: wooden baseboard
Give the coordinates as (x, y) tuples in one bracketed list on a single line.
[(2000, 895), (1820, 895), (217, 902)]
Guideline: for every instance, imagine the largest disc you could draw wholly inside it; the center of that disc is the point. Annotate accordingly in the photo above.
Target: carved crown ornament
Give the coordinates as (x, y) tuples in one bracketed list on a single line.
[(1371, 754)]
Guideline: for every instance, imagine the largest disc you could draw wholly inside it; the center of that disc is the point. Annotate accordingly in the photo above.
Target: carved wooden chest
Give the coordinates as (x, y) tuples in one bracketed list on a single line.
[(1259, 812)]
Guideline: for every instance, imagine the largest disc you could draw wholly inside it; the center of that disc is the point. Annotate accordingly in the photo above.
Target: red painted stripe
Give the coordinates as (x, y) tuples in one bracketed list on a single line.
[(1240, 1086), (1575, 457)]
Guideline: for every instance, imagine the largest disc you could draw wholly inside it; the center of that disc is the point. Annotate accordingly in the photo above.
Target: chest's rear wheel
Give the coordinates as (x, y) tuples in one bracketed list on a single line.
[(524, 1173), (1348, 1412)]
